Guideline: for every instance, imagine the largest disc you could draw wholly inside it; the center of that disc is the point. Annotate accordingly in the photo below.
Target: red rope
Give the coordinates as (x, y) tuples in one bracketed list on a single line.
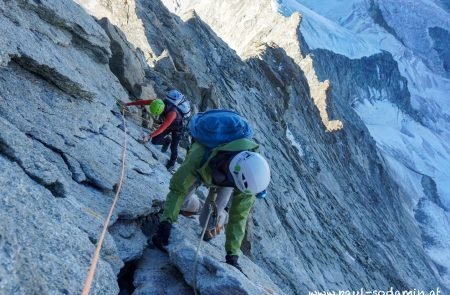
[(90, 277)]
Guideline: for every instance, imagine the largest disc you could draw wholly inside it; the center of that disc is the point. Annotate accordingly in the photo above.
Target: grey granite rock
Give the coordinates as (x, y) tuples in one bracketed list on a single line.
[(125, 62), (214, 276), (155, 275), (58, 130), (42, 249), (129, 239), (333, 218)]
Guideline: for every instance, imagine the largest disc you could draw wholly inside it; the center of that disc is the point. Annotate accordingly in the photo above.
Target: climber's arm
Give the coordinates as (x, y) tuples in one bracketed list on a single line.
[(141, 102), (167, 122), (182, 182)]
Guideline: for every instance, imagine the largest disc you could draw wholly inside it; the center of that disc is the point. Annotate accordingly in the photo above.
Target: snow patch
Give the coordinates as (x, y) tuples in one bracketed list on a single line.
[(321, 32), (294, 143)]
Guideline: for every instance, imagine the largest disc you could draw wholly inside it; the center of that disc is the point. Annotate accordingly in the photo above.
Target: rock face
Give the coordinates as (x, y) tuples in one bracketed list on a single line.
[(322, 200), (125, 63), (357, 80), (333, 219), (155, 275), (60, 149), (158, 273), (440, 38)]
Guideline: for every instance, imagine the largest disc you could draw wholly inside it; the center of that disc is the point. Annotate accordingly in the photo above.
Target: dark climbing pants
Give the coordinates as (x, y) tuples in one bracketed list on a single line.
[(165, 139)]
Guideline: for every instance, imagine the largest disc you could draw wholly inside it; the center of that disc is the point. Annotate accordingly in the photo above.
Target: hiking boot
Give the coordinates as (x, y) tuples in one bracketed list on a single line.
[(170, 165), (161, 238), (233, 260)]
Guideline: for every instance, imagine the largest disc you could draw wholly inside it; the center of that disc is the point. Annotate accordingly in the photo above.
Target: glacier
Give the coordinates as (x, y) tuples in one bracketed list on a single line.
[(413, 149)]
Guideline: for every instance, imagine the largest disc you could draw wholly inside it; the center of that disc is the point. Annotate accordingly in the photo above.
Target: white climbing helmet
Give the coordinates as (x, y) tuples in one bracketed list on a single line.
[(250, 171)]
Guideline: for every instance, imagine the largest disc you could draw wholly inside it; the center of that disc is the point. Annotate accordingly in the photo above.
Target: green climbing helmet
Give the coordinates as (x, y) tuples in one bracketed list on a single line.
[(157, 107)]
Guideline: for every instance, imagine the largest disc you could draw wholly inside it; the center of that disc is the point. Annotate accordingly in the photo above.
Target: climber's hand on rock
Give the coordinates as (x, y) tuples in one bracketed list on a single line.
[(144, 139), (122, 106)]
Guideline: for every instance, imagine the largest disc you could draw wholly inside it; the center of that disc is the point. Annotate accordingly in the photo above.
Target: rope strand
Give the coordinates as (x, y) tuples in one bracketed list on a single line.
[(90, 277)]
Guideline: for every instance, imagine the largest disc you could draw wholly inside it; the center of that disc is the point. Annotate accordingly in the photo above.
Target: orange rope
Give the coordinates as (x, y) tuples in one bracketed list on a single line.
[(90, 277)]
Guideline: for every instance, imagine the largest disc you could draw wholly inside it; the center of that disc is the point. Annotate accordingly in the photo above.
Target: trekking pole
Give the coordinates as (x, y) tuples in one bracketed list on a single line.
[(212, 199)]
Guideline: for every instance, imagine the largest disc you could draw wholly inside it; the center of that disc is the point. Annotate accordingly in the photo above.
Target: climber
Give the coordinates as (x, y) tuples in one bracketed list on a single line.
[(173, 110), (222, 156)]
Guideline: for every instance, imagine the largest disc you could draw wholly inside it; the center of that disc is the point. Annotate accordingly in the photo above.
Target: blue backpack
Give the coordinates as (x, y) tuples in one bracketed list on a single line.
[(216, 127)]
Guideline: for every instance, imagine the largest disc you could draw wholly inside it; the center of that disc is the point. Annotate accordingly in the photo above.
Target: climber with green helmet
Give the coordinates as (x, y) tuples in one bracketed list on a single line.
[(222, 157), (173, 110)]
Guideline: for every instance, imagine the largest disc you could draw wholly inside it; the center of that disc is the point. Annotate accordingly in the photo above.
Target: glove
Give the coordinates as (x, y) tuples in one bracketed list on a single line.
[(144, 139), (122, 105)]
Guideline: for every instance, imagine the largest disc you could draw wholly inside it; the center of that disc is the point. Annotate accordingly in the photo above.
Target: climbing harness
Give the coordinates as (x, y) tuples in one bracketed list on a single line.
[(212, 197), (90, 277)]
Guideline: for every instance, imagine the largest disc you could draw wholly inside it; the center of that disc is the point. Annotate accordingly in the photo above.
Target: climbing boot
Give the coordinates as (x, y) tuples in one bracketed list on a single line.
[(170, 165), (233, 260), (161, 238)]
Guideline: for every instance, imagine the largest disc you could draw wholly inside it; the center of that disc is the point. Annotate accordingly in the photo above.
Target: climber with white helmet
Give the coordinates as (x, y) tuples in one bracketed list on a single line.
[(222, 156), (172, 110)]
